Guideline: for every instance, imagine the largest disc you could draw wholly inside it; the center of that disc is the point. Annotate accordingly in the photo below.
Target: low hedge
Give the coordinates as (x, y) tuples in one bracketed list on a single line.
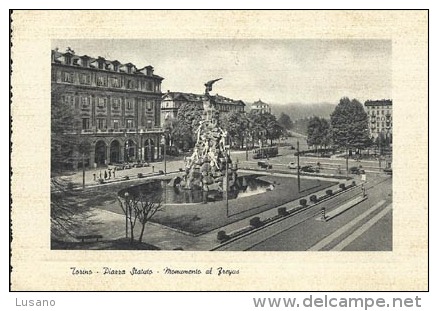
[(222, 236), (255, 222), (282, 211), (313, 198)]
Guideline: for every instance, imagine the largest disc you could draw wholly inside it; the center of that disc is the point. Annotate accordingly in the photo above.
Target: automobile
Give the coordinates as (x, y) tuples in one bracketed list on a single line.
[(140, 164), (309, 169), (388, 171), (292, 166), (356, 170), (264, 164)]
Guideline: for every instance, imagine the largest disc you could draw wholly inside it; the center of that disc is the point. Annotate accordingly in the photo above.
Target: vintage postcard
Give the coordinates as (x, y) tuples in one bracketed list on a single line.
[(219, 150)]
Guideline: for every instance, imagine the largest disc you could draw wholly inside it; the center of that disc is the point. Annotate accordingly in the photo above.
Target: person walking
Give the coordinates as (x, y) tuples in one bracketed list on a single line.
[(105, 174)]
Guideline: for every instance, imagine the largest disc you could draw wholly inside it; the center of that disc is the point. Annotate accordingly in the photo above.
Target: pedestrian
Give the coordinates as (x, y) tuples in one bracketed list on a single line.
[(105, 174), (114, 173), (94, 176), (109, 173), (100, 174)]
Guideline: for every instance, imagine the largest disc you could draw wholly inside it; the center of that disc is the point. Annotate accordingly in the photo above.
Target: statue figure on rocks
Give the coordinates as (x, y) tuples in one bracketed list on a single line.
[(206, 167)]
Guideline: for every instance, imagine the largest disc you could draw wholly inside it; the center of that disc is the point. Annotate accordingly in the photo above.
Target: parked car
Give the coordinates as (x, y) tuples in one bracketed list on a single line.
[(292, 165), (388, 171), (356, 170), (309, 169), (264, 164)]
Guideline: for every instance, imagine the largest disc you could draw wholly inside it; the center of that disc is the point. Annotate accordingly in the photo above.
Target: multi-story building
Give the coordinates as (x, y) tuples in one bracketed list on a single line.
[(261, 107), (116, 106), (172, 101), (379, 117)]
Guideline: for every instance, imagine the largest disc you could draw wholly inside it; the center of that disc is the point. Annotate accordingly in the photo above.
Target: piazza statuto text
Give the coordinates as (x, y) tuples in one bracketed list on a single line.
[(219, 271)]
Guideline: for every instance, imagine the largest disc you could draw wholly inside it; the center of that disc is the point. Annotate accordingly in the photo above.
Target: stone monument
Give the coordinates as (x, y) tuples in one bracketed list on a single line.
[(207, 168)]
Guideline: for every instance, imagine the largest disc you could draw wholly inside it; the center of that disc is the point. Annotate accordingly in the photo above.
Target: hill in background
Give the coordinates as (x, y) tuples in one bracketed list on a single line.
[(298, 111)]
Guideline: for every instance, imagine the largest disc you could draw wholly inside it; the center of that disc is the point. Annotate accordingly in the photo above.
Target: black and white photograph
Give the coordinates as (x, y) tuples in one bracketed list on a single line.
[(224, 145), (220, 150)]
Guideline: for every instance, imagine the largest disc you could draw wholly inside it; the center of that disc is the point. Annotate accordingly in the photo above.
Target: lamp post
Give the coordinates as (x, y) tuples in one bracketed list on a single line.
[(226, 179), (346, 160), (83, 170), (298, 166), (126, 212)]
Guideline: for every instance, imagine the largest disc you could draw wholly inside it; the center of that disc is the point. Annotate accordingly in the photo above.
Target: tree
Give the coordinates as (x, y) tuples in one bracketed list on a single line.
[(141, 207), (146, 208), (349, 123), (274, 130), (318, 132), (64, 141), (187, 122), (285, 121), (66, 215), (237, 125)]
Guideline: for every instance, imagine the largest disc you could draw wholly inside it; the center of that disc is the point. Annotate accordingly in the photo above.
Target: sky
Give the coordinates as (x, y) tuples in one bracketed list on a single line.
[(275, 71)]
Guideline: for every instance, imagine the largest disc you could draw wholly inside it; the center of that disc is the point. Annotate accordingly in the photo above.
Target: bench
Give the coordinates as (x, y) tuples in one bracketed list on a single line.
[(89, 237)]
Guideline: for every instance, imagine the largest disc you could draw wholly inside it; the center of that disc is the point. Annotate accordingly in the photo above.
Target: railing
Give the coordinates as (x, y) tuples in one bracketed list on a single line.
[(122, 130)]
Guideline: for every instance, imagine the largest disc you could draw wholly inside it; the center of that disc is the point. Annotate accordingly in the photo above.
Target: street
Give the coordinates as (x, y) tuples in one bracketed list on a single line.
[(372, 231)]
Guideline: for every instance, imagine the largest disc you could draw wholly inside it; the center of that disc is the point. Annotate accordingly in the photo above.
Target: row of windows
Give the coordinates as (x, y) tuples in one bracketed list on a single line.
[(385, 118), (105, 81), (102, 102), (383, 124), (101, 123)]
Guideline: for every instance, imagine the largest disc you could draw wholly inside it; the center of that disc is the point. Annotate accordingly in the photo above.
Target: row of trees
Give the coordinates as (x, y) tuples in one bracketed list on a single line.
[(347, 128), (240, 126)]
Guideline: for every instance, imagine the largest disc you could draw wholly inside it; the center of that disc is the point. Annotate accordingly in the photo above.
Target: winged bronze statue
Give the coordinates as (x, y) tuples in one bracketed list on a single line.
[(209, 85)]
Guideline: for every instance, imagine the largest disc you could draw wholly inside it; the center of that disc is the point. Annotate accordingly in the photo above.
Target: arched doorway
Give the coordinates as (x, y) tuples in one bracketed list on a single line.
[(100, 153), (149, 150), (129, 150), (115, 151)]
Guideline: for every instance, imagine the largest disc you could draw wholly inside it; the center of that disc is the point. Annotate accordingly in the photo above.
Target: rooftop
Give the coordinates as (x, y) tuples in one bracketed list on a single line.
[(381, 102), (69, 58)]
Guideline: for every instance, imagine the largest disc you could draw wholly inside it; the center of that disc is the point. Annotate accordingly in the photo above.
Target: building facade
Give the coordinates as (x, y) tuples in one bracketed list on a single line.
[(116, 107), (172, 101), (379, 117), (260, 107)]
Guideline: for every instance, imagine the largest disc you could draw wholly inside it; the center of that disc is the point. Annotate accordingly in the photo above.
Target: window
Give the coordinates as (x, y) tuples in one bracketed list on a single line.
[(85, 123), (101, 102), (131, 84), (129, 123), (101, 123), (67, 77), (85, 102), (85, 78), (115, 82), (68, 99), (116, 103), (102, 81), (149, 86), (130, 104), (116, 124), (149, 105), (67, 60)]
